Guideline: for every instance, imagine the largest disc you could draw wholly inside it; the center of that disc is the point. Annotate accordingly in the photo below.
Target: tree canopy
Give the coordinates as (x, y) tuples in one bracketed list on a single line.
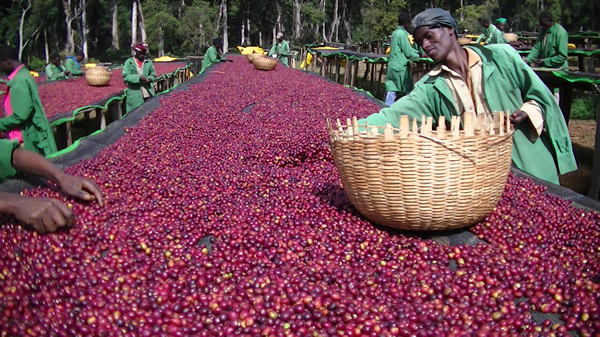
[(184, 27)]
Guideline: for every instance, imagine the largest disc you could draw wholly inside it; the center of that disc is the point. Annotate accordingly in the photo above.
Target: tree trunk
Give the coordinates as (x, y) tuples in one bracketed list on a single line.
[(134, 23), (260, 40), (347, 24), (243, 33), (142, 23), (161, 41), (69, 17), (46, 49), (224, 23), (84, 28), (248, 29), (322, 10), (333, 30), (115, 25), (297, 18), (21, 24), (462, 10)]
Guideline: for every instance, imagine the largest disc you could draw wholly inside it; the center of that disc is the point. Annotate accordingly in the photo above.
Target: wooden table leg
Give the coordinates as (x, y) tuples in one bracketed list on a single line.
[(594, 190), (566, 97), (580, 63)]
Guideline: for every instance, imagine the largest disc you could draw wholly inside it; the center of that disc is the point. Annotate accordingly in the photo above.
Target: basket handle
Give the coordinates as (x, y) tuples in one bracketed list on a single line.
[(461, 151)]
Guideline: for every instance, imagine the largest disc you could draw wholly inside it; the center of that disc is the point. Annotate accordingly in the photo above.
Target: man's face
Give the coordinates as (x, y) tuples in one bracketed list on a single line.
[(56, 61), (545, 24), (502, 26), (6, 67), (139, 55), (436, 42), (486, 24), (79, 58)]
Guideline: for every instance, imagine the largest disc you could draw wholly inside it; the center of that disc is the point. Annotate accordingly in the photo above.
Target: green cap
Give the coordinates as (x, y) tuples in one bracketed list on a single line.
[(501, 20)]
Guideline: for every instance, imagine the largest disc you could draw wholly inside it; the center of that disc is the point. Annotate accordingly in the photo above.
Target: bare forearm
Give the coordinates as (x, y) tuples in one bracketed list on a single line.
[(8, 202), (34, 164)]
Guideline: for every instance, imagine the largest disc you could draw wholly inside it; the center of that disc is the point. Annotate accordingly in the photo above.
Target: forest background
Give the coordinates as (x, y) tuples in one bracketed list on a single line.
[(105, 29)]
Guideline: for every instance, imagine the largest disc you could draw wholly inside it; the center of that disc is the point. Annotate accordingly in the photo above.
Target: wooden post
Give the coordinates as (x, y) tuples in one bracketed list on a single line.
[(580, 62), (594, 191), (373, 76), (100, 113), (366, 75), (323, 61), (355, 63), (348, 71), (69, 134), (338, 61), (566, 97), (314, 62), (379, 79)]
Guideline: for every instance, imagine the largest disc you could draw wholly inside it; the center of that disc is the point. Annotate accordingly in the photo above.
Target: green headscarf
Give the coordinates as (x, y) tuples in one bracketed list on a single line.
[(501, 20)]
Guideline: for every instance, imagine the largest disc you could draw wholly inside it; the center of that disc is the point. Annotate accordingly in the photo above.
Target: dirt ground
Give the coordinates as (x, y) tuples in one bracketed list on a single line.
[(583, 133)]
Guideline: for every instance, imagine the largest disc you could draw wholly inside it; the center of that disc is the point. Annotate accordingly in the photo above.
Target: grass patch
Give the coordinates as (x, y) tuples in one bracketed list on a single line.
[(584, 106)]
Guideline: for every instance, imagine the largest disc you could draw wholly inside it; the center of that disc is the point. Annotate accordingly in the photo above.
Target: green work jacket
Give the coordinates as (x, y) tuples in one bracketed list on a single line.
[(486, 34), (131, 77), (282, 49), (28, 115), (508, 82), (398, 77), (6, 150), (211, 57), (73, 67), (497, 37), (55, 73), (553, 48)]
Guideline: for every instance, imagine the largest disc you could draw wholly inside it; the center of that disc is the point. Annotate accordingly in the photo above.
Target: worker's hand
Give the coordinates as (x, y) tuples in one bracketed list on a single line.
[(518, 117), (81, 188), (44, 214), (539, 62), (67, 72), (143, 79)]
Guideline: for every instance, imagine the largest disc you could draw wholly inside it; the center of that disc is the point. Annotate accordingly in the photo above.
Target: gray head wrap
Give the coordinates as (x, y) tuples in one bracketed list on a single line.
[(435, 18)]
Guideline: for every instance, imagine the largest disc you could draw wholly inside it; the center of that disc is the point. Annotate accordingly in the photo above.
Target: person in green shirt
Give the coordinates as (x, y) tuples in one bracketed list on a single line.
[(72, 64), (398, 78), (482, 80), (139, 75), (280, 49), (551, 48), (501, 24), (213, 55), (43, 214), (55, 71), (491, 34), (25, 119)]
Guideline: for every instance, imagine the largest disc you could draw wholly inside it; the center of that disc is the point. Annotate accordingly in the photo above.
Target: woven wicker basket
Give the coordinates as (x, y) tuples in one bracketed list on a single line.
[(510, 37), (252, 57), (464, 41), (265, 63), (431, 180), (97, 76)]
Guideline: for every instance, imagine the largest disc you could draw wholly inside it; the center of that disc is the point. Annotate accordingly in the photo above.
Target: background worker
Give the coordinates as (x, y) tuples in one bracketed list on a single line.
[(25, 119), (398, 79), (280, 49), (139, 75)]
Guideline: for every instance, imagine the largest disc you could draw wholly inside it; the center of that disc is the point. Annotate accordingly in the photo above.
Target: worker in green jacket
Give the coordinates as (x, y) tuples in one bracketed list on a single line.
[(398, 78), (551, 48), (55, 71), (213, 54), (280, 49), (501, 24), (491, 34), (43, 214), (72, 64), (25, 119), (483, 80), (139, 75)]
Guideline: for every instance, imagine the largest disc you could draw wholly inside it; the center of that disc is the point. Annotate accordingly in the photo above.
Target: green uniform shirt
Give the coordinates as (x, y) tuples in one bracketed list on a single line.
[(55, 73), (398, 77), (73, 67), (131, 77), (6, 150), (210, 57), (508, 82), (552, 46), (282, 49), (491, 35), (28, 115)]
